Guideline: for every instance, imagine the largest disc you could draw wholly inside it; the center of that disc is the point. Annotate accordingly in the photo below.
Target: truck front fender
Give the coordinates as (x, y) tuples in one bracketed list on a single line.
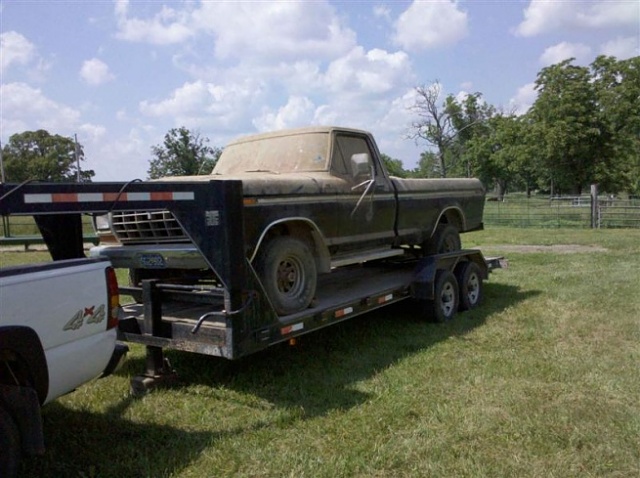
[(300, 226)]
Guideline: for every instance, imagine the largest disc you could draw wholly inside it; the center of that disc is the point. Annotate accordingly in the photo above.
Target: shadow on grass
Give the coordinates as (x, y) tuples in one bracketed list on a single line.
[(311, 379), (318, 374), (86, 444)]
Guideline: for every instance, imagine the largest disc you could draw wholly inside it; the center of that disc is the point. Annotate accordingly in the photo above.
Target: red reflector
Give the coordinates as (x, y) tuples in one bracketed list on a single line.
[(113, 298)]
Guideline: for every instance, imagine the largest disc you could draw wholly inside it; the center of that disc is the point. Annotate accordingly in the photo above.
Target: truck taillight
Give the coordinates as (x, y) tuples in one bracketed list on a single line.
[(113, 298)]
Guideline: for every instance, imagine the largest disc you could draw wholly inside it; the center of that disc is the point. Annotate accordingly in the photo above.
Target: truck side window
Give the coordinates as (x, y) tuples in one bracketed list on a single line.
[(346, 147)]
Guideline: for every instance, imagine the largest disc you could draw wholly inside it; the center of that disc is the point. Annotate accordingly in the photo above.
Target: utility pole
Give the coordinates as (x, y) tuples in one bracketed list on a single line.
[(75, 150), (1, 165)]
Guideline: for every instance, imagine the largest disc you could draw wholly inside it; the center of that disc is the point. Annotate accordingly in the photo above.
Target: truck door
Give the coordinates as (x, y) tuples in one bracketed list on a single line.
[(366, 211)]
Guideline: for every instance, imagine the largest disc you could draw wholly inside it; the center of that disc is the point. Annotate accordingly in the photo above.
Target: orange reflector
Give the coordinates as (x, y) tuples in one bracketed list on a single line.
[(249, 201)]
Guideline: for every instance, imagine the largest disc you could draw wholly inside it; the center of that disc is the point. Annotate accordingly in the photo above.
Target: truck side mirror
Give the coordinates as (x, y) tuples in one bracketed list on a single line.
[(360, 165)]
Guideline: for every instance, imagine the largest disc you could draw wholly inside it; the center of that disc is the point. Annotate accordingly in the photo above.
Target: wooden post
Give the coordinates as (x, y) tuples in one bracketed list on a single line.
[(594, 206)]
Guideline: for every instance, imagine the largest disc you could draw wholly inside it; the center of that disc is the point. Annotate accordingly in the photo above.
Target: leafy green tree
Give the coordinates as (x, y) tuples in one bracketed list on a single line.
[(183, 153), (567, 112), (503, 155), (617, 89), (394, 166), (447, 127), (38, 155)]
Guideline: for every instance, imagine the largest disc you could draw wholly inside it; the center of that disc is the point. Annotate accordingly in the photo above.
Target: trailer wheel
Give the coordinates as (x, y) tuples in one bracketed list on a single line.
[(9, 444), (445, 239), (470, 285), (445, 302), (288, 274)]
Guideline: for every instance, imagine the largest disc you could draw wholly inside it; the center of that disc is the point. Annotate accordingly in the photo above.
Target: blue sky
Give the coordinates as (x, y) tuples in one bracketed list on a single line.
[(119, 74)]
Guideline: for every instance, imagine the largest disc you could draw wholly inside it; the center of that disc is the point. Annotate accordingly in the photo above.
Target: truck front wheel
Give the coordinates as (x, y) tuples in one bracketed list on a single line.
[(288, 274)]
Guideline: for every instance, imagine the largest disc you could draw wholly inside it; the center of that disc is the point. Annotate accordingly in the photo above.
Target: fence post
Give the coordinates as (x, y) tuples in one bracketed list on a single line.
[(594, 206)]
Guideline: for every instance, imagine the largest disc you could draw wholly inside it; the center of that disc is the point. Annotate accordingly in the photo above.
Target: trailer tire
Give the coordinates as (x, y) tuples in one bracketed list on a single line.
[(445, 239), (445, 297), (288, 274), (470, 285), (9, 444)]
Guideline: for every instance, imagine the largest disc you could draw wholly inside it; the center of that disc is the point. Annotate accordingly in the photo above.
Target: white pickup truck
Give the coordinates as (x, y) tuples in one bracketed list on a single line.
[(58, 325)]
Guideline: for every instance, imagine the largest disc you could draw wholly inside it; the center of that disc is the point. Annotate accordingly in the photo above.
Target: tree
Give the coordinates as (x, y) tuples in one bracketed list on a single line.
[(394, 166), (433, 124), (183, 153), (504, 153), (39, 155), (448, 128), (567, 110), (617, 90)]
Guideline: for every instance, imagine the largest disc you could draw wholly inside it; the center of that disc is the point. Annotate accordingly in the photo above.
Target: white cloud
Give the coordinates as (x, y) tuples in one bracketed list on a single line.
[(563, 51), (543, 16), (201, 103), (622, 48), (609, 13), (166, 27), (260, 31), (120, 159), (299, 111), (524, 99), (95, 72), (382, 11), (25, 107), (16, 49), (287, 31), (375, 72), (430, 24)]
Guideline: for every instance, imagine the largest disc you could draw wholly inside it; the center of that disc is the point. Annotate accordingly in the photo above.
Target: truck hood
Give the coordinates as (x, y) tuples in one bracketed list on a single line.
[(264, 183)]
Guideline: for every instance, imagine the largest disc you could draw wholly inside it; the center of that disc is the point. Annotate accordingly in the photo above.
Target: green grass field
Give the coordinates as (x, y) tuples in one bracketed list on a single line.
[(542, 380)]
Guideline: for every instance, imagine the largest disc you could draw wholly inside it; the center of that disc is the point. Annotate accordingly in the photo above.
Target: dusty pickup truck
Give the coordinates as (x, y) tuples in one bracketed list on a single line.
[(314, 199)]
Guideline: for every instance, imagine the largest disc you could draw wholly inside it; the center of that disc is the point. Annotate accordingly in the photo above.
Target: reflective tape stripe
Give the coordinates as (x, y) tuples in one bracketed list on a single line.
[(106, 197)]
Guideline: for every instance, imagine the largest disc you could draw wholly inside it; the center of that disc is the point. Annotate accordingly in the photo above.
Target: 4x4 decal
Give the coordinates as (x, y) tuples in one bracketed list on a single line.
[(93, 316)]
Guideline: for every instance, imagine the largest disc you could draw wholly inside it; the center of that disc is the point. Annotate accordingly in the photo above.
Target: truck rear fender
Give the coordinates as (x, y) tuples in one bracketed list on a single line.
[(451, 215), (303, 228), (22, 359)]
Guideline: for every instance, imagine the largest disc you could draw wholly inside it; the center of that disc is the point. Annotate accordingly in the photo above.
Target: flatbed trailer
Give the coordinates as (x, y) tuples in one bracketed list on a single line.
[(231, 316)]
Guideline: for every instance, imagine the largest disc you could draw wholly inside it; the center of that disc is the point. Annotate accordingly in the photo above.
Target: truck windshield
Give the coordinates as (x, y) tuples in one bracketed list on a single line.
[(297, 153)]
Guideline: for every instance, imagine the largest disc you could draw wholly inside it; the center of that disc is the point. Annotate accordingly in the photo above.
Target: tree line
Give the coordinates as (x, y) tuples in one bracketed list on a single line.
[(583, 128)]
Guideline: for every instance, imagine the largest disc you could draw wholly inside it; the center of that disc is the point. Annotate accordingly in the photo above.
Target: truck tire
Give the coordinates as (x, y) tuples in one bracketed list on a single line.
[(288, 274), (469, 278), (445, 239), (445, 297), (10, 449)]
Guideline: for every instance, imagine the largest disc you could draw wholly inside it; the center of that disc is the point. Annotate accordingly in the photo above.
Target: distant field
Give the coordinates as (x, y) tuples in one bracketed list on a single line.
[(542, 380)]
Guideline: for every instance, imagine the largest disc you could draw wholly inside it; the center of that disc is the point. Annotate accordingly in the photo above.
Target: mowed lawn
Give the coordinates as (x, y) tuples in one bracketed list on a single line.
[(543, 380)]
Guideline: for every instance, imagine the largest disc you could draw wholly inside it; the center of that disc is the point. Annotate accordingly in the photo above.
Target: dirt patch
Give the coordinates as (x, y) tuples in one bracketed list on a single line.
[(556, 248)]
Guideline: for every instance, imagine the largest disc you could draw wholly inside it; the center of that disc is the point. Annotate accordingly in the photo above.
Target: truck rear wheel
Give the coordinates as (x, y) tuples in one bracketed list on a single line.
[(470, 285), (288, 274), (445, 297), (9, 444), (445, 239)]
